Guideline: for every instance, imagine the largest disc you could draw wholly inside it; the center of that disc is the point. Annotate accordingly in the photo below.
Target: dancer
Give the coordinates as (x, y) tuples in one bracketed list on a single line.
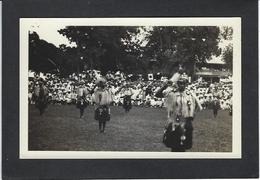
[(102, 99)]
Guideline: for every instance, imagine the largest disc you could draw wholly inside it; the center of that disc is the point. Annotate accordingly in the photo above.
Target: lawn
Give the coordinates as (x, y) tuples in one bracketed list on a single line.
[(61, 129)]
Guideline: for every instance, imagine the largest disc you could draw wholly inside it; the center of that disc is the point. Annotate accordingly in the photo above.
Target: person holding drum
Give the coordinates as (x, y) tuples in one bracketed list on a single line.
[(181, 106), (102, 99)]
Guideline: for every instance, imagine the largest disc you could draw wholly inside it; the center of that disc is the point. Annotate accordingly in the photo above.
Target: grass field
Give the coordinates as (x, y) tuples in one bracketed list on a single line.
[(60, 128)]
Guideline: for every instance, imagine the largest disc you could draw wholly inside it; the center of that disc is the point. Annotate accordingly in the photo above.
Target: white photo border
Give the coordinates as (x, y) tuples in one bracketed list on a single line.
[(234, 22)]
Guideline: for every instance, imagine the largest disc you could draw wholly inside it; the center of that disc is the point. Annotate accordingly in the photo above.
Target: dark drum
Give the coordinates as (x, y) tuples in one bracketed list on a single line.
[(102, 114), (172, 139)]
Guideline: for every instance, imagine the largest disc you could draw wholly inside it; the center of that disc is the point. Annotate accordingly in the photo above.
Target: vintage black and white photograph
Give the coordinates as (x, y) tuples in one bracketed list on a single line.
[(130, 87)]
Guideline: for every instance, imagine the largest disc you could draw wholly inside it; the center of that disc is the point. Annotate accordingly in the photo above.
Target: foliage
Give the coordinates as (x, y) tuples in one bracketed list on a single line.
[(43, 56), (128, 48), (227, 33), (227, 56), (102, 47), (187, 45)]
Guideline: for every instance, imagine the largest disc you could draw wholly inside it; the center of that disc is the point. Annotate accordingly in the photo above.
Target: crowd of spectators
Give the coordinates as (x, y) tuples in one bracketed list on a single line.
[(65, 90)]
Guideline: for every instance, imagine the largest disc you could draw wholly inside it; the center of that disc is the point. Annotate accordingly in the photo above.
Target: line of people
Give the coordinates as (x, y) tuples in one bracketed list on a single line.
[(64, 91)]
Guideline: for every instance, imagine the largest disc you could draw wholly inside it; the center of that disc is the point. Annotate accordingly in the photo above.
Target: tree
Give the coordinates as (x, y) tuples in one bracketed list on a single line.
[(227, 33), (187, 45), (43, 56), (69, 63), (101, 47), (227, 56)]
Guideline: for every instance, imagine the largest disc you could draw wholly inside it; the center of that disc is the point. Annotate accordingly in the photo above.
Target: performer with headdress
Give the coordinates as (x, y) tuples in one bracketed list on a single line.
[(181, 106), (102, 99)]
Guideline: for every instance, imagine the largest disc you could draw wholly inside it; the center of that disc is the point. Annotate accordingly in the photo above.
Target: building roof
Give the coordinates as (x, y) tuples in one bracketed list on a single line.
[(212, 73), (215, 60)]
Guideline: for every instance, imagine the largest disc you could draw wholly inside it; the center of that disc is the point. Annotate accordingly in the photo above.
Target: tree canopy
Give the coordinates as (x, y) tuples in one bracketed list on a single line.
[(187, 45), (227, 54), (227, 57), (104, 48), (43, 56), (131, 49)]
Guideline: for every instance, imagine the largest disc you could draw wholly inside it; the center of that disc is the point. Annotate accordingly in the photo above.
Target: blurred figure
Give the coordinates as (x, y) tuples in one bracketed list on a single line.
[(82, 103), (230, 105), (41, 96), (127, 94), (215, 106)]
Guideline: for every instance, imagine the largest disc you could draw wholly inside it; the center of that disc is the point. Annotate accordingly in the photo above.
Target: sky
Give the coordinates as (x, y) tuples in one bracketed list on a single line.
[(49, 33), (222, 44)]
